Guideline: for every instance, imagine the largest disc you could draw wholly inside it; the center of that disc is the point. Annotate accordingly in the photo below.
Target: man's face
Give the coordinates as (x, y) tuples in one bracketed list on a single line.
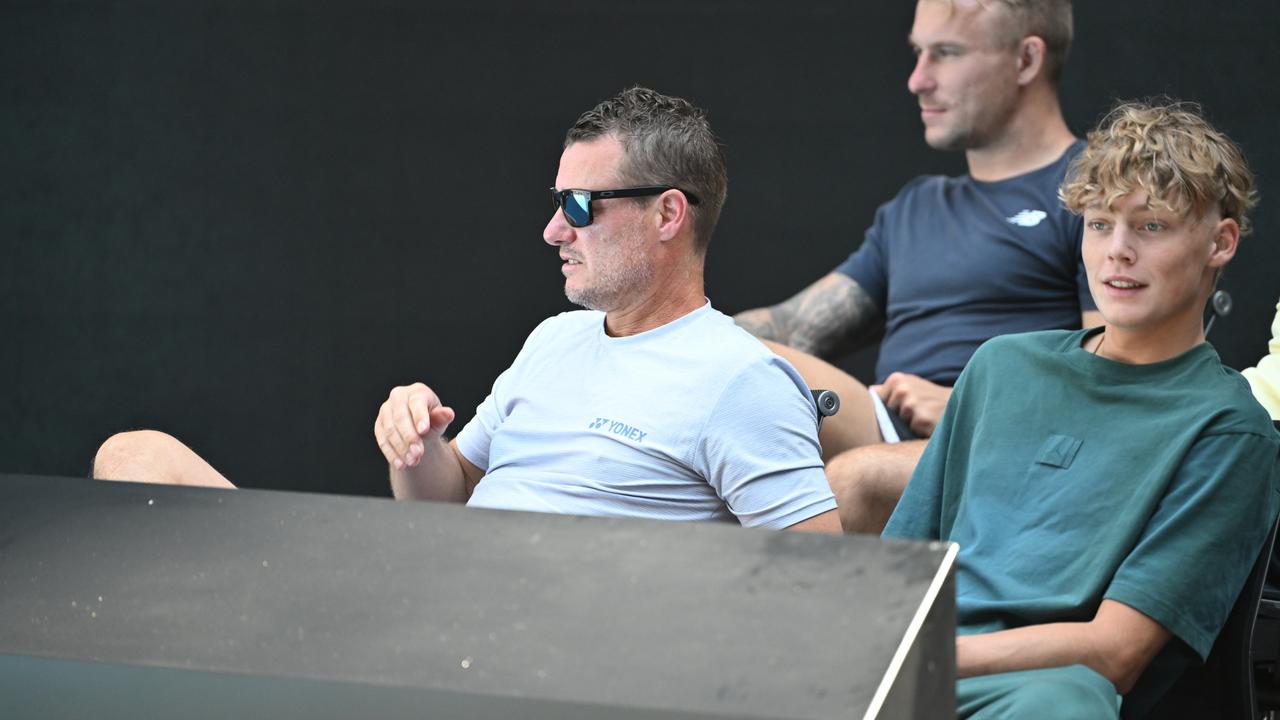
[(1149, 270), (607, 265), (966, 74)]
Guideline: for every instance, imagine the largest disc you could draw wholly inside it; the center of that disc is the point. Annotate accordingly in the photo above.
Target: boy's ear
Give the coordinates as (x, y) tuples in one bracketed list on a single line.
[(1226, 238)]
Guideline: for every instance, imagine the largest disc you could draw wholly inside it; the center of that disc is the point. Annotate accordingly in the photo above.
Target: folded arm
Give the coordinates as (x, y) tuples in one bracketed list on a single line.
[(1118, 643)]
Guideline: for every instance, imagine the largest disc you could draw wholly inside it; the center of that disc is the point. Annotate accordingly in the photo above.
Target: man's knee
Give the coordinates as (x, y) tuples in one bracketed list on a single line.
[(123, 450), (141, 456), (868, 474), (868, 482), (877, 473)]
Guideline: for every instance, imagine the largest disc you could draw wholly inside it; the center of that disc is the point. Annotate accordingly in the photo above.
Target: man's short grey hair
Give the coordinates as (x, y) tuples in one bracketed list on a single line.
[(667, 141)]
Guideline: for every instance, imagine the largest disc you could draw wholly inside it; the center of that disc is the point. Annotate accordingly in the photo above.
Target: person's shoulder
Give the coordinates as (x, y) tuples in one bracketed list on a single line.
[(1046, 177), (1072, 152), (565, 324), (720, 335), (1057, 170), (924, 185), (917, 198), (571, 321), (1237, 410), (1020, 354), (736, 356), (1039, 341)]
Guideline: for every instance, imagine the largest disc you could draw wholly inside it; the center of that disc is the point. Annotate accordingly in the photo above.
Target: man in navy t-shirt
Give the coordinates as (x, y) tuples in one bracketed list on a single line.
[(949, 262)]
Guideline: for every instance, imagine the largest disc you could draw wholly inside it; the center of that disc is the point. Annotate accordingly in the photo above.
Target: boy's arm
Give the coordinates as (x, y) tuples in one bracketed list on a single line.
[(1118, 643)]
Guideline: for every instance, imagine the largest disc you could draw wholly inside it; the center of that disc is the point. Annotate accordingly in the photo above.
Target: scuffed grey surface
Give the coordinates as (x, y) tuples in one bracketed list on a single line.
[(682, 618)]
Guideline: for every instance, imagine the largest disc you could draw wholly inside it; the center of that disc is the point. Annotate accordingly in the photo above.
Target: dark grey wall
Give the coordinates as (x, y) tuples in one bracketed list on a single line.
[(243, 222)]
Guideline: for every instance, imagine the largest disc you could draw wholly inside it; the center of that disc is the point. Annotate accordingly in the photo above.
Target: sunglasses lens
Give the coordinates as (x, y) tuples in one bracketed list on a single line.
[(577, 208)]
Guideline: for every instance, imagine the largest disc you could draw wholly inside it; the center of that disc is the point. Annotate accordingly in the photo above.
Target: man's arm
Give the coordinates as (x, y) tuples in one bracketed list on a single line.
[(409, 430), (827, 522), (1118, 643), (831, 317)]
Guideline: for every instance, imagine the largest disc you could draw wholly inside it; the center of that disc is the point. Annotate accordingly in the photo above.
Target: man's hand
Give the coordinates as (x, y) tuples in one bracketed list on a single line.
[(916, 400), (411, 417)]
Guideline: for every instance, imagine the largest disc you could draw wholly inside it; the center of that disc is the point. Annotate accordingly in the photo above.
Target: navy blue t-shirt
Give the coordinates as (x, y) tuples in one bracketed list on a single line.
[(956, 261)]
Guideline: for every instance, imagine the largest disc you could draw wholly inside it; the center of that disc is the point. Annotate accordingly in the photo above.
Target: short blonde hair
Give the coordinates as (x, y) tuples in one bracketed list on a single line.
[(1049, 20), (1169, 151)]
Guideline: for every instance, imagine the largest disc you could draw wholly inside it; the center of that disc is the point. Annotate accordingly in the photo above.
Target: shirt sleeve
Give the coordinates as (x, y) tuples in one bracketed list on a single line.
[(474, 439), (759, 448), (869, 264), (1204, 536)]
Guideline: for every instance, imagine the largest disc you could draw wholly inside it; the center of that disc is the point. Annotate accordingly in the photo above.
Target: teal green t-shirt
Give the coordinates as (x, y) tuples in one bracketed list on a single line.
[(1067, 478)]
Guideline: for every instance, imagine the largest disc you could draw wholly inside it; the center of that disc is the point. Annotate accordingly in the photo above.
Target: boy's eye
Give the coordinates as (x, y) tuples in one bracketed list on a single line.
[(1152, 226), (1097, 225)]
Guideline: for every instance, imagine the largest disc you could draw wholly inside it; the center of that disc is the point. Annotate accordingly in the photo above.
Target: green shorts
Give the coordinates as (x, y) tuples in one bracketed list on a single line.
[(1061, 693)]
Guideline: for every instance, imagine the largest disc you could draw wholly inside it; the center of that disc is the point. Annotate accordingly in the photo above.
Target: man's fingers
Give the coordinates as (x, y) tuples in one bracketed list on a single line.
[(402, 417), (401, 434), (441, 416), (410, 413), (384, 445), (907, 412), (390, 436), (420, 407), (894, 397), (380, 437)]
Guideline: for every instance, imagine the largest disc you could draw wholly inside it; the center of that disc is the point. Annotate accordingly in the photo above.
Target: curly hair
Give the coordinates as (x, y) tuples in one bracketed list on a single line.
[(668, 141), (1168, 150)]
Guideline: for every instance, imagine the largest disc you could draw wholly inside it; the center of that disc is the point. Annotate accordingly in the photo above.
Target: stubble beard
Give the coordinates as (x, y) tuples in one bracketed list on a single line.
[(618, 274), (953, 139)]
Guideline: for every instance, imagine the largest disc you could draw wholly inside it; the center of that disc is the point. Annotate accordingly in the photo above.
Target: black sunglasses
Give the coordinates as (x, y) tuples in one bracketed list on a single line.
[(576, 204)]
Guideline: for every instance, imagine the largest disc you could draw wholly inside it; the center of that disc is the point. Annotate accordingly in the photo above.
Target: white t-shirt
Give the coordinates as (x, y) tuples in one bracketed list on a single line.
[(694, 420)]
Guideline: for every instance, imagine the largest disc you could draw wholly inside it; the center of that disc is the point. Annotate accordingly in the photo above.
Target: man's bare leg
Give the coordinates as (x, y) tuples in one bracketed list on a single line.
[(868, 482), (154, 457), (855, 425)]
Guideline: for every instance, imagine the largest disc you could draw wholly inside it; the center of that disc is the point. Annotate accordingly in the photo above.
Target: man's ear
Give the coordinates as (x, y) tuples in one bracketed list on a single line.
[(1226, 238), (673, 214), (1031, 51)]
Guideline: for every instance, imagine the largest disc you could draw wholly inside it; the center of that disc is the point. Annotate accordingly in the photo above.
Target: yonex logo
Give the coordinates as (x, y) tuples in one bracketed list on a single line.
[(618, 428), (1027, 218)]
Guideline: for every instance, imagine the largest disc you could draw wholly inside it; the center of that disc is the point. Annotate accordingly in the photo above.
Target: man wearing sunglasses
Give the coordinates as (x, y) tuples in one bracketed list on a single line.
[(649, 403), (949, 262)]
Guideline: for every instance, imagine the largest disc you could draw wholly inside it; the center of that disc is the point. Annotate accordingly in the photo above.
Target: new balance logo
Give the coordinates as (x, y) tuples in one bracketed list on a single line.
[(1027, 218), (618, 428)]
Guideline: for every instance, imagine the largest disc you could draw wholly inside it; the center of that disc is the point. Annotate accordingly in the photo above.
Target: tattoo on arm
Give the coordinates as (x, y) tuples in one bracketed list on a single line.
[(763, 323), (829, 318)]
